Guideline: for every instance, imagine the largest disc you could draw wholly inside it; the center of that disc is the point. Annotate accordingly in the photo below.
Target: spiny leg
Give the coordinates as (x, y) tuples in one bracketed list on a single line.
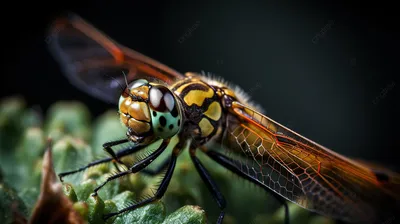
[(107, 147), (157, 170), (211, 185), (160, 191), (123, 152), (137, 166), (231, 165)]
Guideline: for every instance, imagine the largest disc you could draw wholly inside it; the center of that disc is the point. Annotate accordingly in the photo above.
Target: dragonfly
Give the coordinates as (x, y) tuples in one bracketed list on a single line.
[(216, 118)]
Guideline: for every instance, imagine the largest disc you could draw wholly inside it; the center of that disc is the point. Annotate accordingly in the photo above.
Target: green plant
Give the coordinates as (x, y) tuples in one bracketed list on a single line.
[(76, 140)]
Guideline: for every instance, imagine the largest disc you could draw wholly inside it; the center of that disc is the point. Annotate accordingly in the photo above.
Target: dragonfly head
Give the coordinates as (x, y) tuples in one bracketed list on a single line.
[(149, 111)]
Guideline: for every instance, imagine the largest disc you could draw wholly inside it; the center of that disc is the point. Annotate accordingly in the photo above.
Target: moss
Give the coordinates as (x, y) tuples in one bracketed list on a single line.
[(77, 140)]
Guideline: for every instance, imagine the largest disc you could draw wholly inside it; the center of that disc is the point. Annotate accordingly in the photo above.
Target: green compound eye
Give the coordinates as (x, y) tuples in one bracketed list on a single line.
[(165, 124), (165, 112)]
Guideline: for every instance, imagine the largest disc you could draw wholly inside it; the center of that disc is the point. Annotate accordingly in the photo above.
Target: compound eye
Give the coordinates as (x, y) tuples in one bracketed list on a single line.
[(164, 111), (137, 83), (134, 84), (161, 99)]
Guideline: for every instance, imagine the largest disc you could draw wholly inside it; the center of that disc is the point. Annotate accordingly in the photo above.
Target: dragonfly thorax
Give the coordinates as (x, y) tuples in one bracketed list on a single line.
[(149, 111)]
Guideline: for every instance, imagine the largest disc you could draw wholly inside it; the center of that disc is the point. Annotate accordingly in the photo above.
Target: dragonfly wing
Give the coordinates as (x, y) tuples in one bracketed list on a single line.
[(96, 64), (302, 171)]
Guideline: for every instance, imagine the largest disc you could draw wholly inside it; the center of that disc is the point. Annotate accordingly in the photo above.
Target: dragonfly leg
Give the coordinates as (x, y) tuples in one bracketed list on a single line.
[(158, 169), (232, 165), (107, 147), (137, 166), (123, 152), (160, 191), (210, 183)]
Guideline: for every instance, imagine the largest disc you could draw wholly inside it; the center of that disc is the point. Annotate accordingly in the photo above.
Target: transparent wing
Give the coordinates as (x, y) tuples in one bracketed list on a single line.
[(306, 173), (95, 63)]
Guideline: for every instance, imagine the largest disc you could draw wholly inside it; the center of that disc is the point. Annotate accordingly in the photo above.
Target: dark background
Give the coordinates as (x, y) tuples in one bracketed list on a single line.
[(340, 89)]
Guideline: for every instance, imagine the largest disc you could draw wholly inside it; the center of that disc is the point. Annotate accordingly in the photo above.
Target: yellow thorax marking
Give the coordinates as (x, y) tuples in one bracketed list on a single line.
[(205, 127), (213, 111), (198, 96), (182, 87)]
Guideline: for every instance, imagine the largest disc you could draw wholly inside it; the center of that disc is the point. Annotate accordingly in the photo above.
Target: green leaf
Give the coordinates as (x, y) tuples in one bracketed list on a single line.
[(70, 192), (85, 189), (10, 205), (107, 127), (69, 152), (188, 214), (68, 118), (96, 209), (110, 207), (78, 142), (82, 208)]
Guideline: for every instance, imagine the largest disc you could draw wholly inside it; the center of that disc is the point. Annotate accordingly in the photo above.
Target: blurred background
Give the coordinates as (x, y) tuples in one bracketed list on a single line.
[(327, 70)]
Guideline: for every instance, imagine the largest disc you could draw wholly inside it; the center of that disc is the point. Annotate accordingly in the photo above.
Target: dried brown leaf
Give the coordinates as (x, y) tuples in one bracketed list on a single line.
[(53, 206)]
